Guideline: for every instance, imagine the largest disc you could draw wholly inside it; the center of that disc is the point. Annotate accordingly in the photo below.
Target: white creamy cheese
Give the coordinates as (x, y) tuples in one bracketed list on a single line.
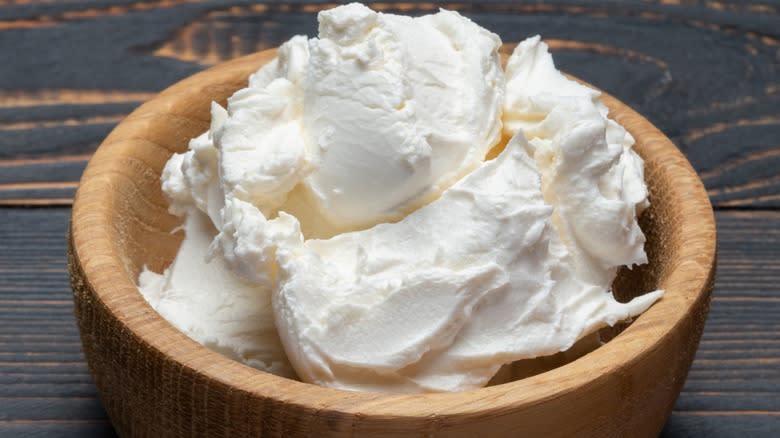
[(342, 200), (396, 110), (213, 306)]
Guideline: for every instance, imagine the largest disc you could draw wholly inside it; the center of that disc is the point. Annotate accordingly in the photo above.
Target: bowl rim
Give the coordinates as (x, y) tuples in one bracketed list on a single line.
[(105, 274)]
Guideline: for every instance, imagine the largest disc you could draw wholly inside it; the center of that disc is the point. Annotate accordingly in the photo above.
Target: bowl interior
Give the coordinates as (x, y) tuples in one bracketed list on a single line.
[(124, 175)]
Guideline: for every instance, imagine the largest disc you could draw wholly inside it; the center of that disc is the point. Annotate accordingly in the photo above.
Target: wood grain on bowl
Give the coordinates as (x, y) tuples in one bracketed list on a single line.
[(154, 381)]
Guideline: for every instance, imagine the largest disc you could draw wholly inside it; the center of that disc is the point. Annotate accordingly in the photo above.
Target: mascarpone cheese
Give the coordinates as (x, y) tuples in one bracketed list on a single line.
[(214, 307), (342, 201)]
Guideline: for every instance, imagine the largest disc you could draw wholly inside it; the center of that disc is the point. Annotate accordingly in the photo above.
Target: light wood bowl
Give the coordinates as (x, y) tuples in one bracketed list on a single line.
[(154, 381)]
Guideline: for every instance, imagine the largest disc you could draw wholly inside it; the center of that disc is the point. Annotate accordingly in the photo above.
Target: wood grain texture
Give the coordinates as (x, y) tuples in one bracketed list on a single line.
[(45, 387), (705, 73), (156, 382)]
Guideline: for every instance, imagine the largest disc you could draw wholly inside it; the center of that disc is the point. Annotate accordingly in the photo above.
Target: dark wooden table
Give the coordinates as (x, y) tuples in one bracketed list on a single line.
[(705, 72)]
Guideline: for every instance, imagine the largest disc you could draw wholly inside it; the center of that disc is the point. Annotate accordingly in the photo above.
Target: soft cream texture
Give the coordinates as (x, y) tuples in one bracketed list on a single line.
[(360, 126), (379, 116), (440, 300), (396, 109), (211, 305)]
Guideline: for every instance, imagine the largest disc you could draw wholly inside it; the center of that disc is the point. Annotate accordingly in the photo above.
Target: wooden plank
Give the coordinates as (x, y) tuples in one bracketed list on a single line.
[(52, 408), (47, 389), (702, 424), (50, 378), (56, 428)]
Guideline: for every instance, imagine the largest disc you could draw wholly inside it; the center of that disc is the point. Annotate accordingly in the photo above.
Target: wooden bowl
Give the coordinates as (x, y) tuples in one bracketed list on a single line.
[(155, 381)]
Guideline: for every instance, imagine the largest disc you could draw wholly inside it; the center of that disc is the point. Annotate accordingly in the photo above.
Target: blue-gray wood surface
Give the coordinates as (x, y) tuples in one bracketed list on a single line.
[(705, 72)]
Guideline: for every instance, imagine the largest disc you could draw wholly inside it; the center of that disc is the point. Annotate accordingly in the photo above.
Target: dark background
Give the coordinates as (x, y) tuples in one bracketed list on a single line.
[(705, 72)]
